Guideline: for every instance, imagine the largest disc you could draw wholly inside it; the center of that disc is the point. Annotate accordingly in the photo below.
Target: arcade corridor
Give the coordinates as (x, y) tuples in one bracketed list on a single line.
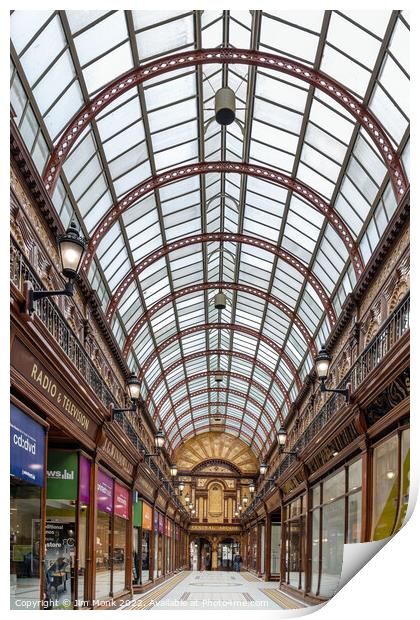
[(209, 303), (221, 591)]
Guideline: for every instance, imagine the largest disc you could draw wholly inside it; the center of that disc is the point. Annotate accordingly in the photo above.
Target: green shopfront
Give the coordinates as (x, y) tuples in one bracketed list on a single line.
[(67, 529)]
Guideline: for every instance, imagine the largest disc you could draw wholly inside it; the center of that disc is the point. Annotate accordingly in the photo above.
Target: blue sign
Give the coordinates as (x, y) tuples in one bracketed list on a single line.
[(27, 443)]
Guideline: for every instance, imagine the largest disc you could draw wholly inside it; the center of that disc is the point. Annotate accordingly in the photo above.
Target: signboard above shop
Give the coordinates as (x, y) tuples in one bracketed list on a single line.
[(62, 475), (51, 388), (27, 447), (147, 516), (104, 495), (121, 501)]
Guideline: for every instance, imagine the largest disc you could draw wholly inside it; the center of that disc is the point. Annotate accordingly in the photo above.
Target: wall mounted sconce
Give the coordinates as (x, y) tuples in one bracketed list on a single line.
[(281, 440), (159, 441), (72, 247), (133, 392), (322, 367), (263, 468)]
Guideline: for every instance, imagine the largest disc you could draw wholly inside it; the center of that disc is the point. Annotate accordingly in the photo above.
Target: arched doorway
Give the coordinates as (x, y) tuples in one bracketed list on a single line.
[(200, 554), (226, 551)]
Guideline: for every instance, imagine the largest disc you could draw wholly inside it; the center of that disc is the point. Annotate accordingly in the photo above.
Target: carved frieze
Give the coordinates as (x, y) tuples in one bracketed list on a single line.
[(395, 393)]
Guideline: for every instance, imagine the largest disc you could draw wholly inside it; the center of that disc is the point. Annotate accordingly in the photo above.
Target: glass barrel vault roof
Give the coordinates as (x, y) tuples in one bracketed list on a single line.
[(60, 60)]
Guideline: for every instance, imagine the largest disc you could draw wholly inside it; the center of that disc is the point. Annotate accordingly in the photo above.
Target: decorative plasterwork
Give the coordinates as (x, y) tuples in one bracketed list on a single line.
[(216, 446)]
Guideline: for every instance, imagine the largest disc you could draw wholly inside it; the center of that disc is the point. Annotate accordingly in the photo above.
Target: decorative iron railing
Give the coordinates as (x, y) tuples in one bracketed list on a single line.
[(384, 340), (57, 326)]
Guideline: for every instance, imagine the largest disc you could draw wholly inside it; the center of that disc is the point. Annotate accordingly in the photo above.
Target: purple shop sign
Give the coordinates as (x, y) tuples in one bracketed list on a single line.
[(84, 480), (104, 492)]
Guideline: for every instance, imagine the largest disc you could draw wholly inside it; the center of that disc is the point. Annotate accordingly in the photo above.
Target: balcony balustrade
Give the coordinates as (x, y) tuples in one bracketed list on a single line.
[(52, 319)]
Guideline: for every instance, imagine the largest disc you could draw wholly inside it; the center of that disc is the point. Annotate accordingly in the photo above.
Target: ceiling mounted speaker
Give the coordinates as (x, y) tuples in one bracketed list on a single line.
[(225, 106)]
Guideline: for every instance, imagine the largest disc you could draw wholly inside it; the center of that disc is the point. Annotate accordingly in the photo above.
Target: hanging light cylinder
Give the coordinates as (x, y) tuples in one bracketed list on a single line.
[(225, 106), (220, 301)]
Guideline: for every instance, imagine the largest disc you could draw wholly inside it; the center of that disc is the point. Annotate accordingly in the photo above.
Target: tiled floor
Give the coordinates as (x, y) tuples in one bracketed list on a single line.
[(218, 590)]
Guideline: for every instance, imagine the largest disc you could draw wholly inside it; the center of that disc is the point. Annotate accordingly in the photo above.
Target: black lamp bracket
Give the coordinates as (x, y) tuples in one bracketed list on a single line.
[(148, 455), (292, 452), (33, 296), (115, 410), (345, 392)]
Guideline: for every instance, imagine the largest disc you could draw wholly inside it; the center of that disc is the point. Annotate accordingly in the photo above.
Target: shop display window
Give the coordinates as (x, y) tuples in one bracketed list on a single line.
[(336, 519), (405, 477), (104, 503), (253, 548), (275, 548), (333, 524), (146, 541), (27, 477), (316, 546), (391, 471), (83, 529), (120, 524), (68, 477), (60, 552), (262, 549), (103, 554), (294, 543), (25, 519), (119, 554), (145, 556)]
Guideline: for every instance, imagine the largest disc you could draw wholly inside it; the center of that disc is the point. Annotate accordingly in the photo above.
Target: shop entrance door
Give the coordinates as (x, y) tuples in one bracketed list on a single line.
[(226, 552), (200, 554)]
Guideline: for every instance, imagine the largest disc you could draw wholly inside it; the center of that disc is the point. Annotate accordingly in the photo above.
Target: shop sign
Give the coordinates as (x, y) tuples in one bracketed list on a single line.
[(104, 492), (30, 367), (112, 451), (62, 475), (147, 516), (161, 528), (84, 480), (156, 521), (27, 445), (137, 516), (121, 501)]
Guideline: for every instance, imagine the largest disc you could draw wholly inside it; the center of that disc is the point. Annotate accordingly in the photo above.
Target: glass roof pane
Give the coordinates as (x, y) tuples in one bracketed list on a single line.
[(165, 37), (49, 43), (106, 34), (105, 69)]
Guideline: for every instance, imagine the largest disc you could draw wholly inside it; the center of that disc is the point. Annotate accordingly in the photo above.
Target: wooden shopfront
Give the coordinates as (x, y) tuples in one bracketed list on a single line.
[(55, 553), (50, 551)]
